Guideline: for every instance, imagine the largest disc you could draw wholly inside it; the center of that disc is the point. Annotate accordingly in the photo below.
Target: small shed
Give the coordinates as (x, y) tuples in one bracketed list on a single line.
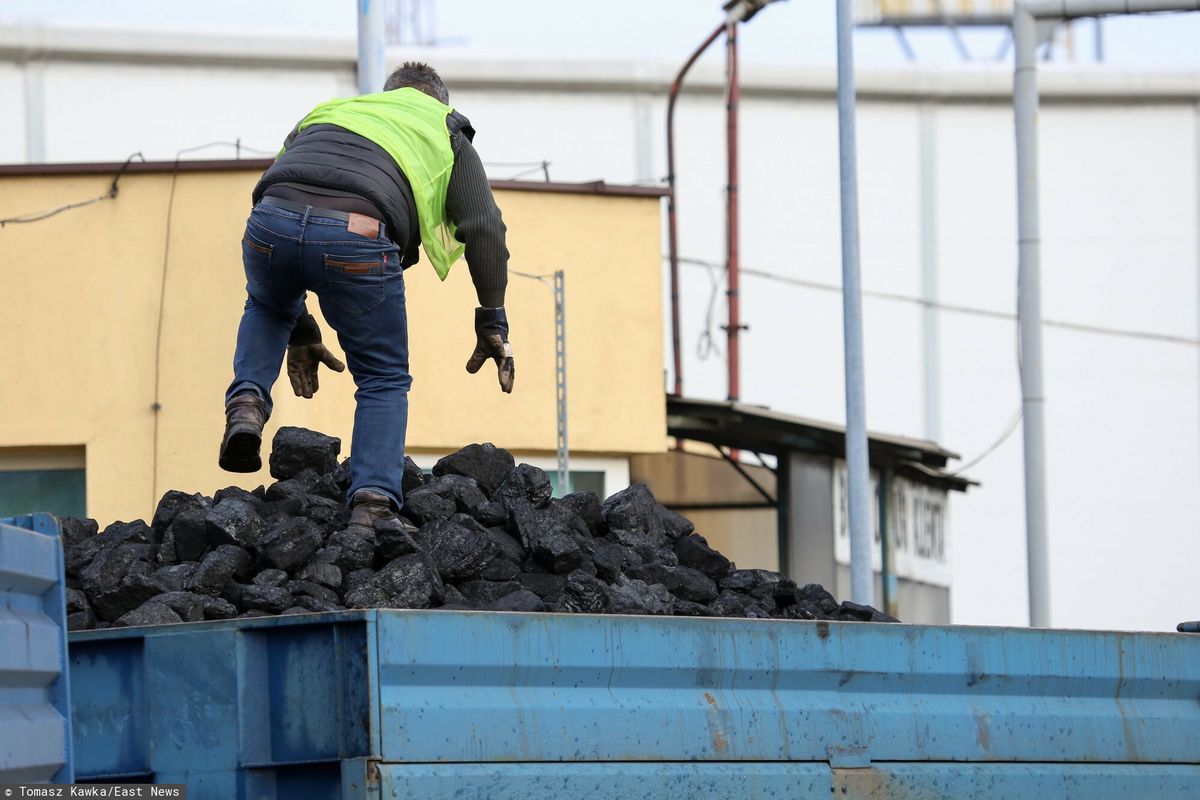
[(769, 490)]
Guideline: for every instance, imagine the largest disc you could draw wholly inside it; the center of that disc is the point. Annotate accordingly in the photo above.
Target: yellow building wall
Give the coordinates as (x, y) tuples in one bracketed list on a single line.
[(79, 323)]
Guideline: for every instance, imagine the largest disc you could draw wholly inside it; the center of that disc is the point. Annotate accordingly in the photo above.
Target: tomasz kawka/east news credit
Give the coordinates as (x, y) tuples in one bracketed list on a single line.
[(124, 790)]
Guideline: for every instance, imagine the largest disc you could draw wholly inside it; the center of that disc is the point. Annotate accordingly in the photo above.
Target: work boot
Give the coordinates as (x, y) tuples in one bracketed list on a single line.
[(371, 512), (245, 415)]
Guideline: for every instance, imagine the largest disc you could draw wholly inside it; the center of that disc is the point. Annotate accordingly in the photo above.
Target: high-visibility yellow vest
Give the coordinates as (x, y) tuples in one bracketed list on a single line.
[(411, 126)]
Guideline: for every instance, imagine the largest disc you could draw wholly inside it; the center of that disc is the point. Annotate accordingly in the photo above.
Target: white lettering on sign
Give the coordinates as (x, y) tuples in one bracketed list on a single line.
[(917, 520)]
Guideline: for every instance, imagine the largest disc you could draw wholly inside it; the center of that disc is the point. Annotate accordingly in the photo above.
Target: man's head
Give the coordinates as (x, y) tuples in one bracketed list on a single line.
[(418, 76)]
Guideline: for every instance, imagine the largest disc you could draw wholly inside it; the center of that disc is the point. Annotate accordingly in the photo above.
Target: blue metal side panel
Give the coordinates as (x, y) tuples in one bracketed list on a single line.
[(1018, 782), (471, 686), (35, 728), (214, 698), (631, 780), (608, 781)]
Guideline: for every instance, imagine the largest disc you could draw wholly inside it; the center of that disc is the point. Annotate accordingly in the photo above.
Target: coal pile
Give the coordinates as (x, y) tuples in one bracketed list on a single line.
[(489, 537)]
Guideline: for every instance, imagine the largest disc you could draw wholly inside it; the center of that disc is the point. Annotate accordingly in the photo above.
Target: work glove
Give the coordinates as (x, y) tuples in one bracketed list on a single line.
[(305, 353), (491, 341)]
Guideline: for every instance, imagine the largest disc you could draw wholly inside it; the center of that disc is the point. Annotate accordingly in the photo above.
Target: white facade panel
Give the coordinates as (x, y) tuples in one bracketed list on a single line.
[(1119, 214)]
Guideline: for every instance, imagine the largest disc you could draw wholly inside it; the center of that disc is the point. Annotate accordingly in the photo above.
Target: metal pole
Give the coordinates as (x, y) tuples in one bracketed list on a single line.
[(672, 212), (862, 581), (734, 326), (930, 361), (372, 27), (560, 380), (1029, 314)]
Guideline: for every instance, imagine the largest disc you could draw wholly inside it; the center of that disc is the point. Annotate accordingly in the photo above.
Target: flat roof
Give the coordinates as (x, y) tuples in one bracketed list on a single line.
[(758, 428), (261, 164)]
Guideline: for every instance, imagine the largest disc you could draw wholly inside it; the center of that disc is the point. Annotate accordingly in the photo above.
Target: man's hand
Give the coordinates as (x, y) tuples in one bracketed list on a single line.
[(304, 354), (491, 341), (302, 363)]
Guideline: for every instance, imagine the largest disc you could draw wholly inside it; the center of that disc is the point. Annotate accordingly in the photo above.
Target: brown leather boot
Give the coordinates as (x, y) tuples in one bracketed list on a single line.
[(371, 512), (245, 416)]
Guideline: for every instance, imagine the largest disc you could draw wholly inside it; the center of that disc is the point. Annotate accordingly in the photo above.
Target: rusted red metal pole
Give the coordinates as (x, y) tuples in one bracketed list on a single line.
[(733, 94), (672, 221)]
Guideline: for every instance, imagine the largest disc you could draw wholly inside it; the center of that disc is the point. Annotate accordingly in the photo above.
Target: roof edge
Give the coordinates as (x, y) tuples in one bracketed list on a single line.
[(261, 164)]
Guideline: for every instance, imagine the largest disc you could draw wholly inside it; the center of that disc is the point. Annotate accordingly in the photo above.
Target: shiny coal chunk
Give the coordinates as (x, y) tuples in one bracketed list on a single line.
[(520, 600), (172, 577), (294, 450), (188, 534), (172, 504), (406, 582), (694, 585), (217, 569), (547, 586), (149, 613), (585, 594), (188, 605), (218, 607), (482, 593), (554, 536), (631, 596), (270, 577), (686, 608), (487, 464), (817, 596), (290, 544), (586, 505), (527, 484), (425, 505), (323, 574), (746, 580), (634, 509), (348, 551), (356, 579), (500, 569), (414, 477), (317, 604), (693, 551), (234, 521), (266, 598), (76, 531), (310, 589), (298, 486)]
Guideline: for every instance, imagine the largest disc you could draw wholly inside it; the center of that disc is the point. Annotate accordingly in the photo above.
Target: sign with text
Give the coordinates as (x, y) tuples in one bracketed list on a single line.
[(932, 12), (918, 521)]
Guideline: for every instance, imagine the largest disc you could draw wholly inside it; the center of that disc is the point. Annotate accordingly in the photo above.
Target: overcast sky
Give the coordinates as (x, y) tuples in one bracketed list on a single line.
[(794, 31)]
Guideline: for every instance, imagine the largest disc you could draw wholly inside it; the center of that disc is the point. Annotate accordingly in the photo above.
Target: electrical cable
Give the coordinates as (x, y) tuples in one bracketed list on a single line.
[(156, 406), (38, 216), (1079, 327)]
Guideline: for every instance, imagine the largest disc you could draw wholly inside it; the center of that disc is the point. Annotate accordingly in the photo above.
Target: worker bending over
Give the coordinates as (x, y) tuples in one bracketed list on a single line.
[(360, 183)]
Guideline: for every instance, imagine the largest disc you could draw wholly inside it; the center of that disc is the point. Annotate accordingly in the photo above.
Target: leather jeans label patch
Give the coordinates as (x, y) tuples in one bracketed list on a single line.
[(363, 226)]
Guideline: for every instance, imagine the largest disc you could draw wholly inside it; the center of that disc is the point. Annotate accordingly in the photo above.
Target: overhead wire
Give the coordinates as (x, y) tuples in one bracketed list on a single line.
[(156, 406), (113, 189), (1079, 327)]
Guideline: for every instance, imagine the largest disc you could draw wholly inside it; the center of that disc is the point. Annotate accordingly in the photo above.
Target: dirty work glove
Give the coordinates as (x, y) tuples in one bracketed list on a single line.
[(305, 353), (491, 341)]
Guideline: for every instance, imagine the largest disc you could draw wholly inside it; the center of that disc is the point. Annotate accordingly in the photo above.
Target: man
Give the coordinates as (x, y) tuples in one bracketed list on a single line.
[(359, 184)]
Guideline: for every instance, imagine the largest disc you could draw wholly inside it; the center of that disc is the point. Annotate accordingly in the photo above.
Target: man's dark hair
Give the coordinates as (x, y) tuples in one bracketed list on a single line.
[(418, 76)]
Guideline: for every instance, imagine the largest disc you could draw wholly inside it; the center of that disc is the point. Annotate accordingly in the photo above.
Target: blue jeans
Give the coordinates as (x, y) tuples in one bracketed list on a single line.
[(360, 285)]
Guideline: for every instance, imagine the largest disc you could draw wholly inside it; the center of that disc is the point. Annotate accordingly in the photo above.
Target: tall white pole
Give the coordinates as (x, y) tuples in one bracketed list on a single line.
[(371, 46), (1029, 314), (862, 578)]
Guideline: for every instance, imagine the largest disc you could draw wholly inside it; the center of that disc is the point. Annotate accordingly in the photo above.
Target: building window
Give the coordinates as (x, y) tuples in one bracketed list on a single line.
[(579, 481), (49, 479)]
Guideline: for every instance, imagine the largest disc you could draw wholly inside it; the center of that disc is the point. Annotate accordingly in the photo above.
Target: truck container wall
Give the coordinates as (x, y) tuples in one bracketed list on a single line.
[(35, 730), (382, 704)]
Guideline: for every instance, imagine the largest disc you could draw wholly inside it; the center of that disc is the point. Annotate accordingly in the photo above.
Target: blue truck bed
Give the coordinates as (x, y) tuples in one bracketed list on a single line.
[(383, 704)]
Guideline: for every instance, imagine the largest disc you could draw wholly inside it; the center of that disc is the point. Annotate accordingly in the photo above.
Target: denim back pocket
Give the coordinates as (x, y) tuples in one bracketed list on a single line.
[(256, 260), (356, 282)]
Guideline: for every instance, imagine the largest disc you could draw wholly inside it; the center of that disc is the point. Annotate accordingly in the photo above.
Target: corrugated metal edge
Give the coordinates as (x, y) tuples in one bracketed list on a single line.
[(55, 605)]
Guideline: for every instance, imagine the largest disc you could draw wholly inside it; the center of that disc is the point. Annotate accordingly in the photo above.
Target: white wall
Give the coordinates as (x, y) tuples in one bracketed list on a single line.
[(1119, 211)]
